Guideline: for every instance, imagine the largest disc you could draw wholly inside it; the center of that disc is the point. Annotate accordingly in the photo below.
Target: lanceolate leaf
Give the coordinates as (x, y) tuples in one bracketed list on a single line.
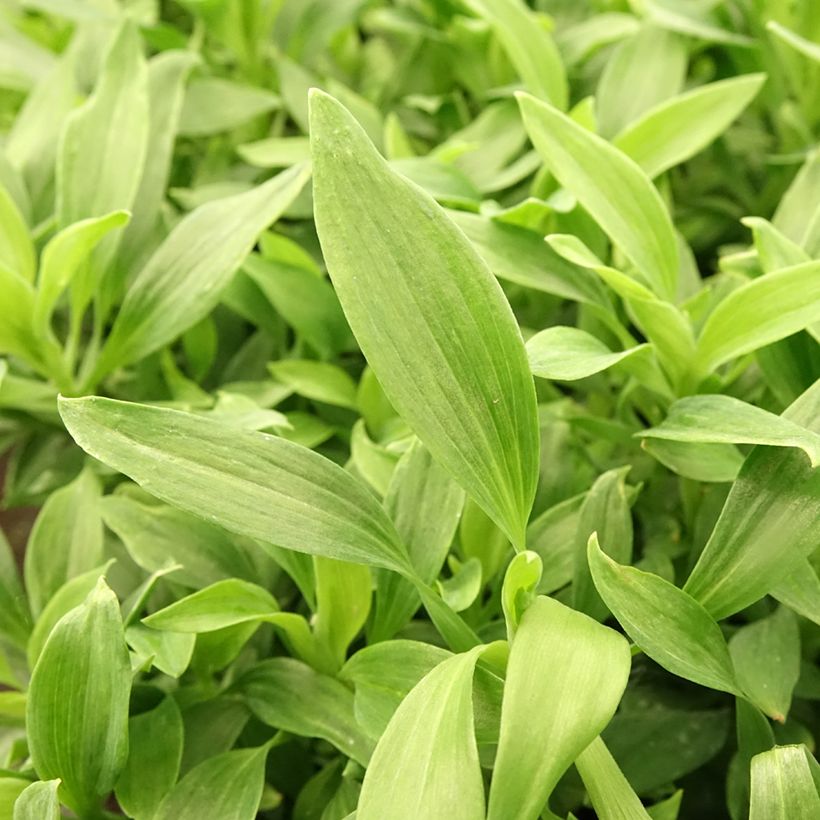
[(77, 708), (228, 786), (184, 279), (718, 419), (289, 695), (430, 318), (529, 48), (565, 676), (38, 802), (677, 129), (768, 525), (155, 741), (103, 146), (782, 785), (609, 791), (425, 504), (568, 353), (761, 312), (64, 255), (614, 190), (250, 483), (666, 623), (426, 762)]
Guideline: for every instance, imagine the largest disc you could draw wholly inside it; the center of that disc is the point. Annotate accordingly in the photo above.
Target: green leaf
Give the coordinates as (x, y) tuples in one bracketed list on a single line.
[(213, 105), (77, 709), (700, 462), (319, 381), (66, 541), (529, 47), (170, 652), (225, 603), (615, 191), (183, 280), (424, 503), (605, 512), (518, 590), (103, 146), (715, 419), (383, 674), (228, 786), (565, 676), (16, 250), (609, 791), (289, 695), (800, 44), (426, 762), (38, 802), (768, 525), (154, 753), (519, 255), (17, 335), (167, 74), (643, 70), (343, 596), (666, 623), (15, 618), (800, 591), (66, 598), (567, 354), (766, 657), (678, 128), (237, 479), (304, 299), (758, 313), (156, 535), (430, 318), (64, 256), (782, 785)]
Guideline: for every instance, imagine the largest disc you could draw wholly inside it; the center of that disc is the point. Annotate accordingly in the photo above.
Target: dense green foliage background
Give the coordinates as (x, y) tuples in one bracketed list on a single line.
[(440, 442)]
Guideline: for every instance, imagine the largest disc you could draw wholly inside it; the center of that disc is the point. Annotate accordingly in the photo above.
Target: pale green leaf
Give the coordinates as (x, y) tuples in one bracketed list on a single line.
[(565, 677), (800, 44), (614, 190), (250, 483), (154, 753), (183, 280), (425, 504), (103, 147), (319, 381), (528, 46), (768, 525), (77, 708), (213, 104), (666, 623), (289, 695), (426, 762), (16, 249), (758, 313), (38, 802), (225, 603), (716, 419), (66, 541), (568, 353), (642, 72), (15, 618), (766, 657), (228, 786), (677, 129), (64, 256), (430, 318), (609, 791), (782, 786)]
